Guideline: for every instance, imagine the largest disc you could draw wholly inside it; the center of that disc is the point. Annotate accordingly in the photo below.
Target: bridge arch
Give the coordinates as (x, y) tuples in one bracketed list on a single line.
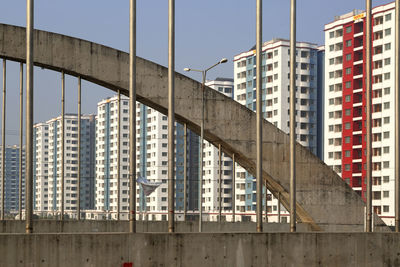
[(323, 199)]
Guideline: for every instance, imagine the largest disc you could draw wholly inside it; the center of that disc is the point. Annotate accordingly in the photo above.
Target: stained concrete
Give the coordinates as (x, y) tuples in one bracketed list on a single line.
[(208, 249), (53, 226), (324, 200)]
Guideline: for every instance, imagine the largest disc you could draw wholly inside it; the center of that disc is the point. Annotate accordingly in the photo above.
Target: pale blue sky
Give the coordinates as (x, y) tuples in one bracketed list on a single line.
[(206, 30)]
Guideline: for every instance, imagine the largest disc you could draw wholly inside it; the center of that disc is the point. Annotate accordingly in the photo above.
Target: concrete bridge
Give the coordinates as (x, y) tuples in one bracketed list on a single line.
[(324, 201)]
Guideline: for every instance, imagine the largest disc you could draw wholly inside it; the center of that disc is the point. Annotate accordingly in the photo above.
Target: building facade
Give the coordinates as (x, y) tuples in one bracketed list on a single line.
[(152, 161), (345, 104), (47, 165), (275, 105), (12, 179)]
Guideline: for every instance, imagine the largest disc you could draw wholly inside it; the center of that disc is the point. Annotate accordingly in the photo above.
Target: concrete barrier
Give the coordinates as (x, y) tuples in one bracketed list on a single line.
[(240, 249), (53, 226)]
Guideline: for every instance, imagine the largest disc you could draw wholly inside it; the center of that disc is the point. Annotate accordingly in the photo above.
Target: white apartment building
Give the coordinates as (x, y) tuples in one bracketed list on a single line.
[(47, 172), (151, 156), (211, 168), (275, 94), (345, 145)]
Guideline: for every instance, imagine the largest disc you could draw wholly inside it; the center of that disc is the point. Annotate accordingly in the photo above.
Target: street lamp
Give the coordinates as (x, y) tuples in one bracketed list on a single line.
[(204, 73)]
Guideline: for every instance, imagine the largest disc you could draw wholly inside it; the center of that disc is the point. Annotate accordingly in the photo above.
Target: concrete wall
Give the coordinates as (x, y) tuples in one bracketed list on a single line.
[(323, 198), (53, 226), (275, 249)]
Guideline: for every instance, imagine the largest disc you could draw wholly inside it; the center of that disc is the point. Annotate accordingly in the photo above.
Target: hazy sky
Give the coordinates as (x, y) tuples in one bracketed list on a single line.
[(206, 30)]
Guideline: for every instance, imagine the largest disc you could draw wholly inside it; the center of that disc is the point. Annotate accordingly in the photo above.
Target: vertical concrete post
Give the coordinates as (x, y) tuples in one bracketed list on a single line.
[(29, 119), (3, 143), (279, 207), (293, 116), (184, 171), (259, 116), (368, 120), (233, 188), (171, 115), (220, 181), (132, 116), (397, 118), (62, 142), (79, 146), (266, 203), (21, 134), (119, 155), (201, 154)]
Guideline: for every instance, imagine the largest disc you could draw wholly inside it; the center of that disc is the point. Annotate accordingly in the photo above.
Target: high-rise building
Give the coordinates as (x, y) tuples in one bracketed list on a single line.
[(211, 167), (275, 104), (152, 161), (12, 179), (345, 103), (47, 165)]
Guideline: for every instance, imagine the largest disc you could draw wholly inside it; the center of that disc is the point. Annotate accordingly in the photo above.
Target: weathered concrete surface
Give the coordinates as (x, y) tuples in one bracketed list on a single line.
[(323, 199), (53, 226), (241, 249)]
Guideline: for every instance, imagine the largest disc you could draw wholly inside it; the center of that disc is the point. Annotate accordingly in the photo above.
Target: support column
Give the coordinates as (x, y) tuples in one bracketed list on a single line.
[(79, 147), (259, 117), (233, 189), (368, 120), (279, 207), (62, 142), (397, 118), (21, 134), (119, 156), (132, 116), (171, 116), (220, 181), (266, 203), (3, 144), (29, 119), (293, 116), (184, 171)]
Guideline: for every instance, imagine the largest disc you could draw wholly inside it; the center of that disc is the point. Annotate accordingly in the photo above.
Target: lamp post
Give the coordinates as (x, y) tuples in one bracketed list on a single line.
[(204, 73)]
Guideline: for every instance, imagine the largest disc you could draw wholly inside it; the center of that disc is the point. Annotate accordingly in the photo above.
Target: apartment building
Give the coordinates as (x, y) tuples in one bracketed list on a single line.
[(152, 161), (47, 165), (345, 103), (12, 179), (275, 105)]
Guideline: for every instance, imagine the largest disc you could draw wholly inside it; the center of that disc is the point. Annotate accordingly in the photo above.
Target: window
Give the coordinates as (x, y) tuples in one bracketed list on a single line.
[(388, 32), (347, 153), (347, 112), (331, 74), (331, 48), (348, 57), (386, 105), (332, 34), (386, 120), (347, 98), (386, 135), (386, 164), (387, 46), (385, 208), (348, 43), (386, 179), (348, 29), (347, 139), (386, 90), (388, 17), (331, 61), (331, 88), (348, 70), (387, 61), (347, 125), (347, 167), (348, 85), (386, 150), (386, 76)]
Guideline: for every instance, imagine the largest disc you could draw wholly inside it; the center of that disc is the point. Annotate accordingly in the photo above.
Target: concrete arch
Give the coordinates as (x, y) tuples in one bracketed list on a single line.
[(323, 199)]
